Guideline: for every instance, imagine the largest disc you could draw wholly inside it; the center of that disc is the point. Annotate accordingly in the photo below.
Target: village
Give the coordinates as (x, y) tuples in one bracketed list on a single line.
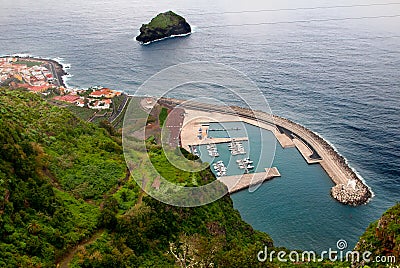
[(24, 73), (45, 77), (98, 98)]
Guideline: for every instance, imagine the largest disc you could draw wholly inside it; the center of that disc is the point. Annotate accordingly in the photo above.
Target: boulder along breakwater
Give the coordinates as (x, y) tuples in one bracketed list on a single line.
[(349, 189)]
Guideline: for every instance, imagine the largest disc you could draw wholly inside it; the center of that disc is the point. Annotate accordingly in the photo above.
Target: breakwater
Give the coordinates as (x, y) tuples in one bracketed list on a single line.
[(349, 188)]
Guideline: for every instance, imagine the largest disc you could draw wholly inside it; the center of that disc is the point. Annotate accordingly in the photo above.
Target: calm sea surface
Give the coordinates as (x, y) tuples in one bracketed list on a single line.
[(340, 78)]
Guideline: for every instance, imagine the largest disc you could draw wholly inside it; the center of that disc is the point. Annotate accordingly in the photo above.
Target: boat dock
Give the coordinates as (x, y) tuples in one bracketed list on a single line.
[(237, 183), (206, 141), (245, 164), (236, 147)]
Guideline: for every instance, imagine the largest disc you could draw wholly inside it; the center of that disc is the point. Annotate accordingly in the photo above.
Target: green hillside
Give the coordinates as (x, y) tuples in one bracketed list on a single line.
[(54, 169), (382, 237), (67, 200)]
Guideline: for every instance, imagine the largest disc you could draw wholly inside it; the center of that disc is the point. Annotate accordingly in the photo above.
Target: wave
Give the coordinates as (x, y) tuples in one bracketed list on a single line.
[(64, 66), (22, 55), (172, 36), (194, 28), (65, 78)]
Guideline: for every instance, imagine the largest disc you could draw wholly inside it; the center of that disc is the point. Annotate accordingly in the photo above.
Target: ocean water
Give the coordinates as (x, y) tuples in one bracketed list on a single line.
[(340, 78)]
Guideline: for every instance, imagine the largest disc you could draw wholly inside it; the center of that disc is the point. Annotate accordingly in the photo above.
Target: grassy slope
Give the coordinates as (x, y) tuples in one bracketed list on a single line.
[(164, 20), (43, 148), (82, 112), (382, 237)]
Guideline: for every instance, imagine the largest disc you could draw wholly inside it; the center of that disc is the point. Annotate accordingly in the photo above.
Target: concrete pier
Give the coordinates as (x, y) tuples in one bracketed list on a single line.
[(239, 182), (214, 141)]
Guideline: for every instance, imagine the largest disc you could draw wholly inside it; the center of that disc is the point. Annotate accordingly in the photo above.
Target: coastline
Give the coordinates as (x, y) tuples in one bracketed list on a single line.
[(57, 67), (349, 189)]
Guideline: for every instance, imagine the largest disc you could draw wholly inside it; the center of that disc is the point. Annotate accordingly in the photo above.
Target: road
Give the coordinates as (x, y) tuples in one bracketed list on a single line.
[(121, 107)]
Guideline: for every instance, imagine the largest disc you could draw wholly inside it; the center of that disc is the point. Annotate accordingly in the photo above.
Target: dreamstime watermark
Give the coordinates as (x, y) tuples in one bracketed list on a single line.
[(338, 254), (217, 88)]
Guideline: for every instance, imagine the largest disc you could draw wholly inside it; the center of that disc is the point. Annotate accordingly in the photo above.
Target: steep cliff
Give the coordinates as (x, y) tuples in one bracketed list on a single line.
[(382, 237)]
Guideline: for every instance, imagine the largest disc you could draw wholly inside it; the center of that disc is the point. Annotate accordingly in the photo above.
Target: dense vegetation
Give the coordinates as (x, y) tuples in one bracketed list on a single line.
[(66, 197), (165, 20), (163, 116), (43, 148), (150, 232), (382, 237)]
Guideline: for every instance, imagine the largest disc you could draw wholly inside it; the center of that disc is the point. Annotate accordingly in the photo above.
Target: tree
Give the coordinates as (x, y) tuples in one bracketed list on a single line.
[(108, 126), (195, 251), (34, 227), (108, 218)]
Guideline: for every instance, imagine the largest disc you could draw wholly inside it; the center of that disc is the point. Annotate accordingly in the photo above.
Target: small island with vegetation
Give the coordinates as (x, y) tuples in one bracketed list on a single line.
[(164, 25)]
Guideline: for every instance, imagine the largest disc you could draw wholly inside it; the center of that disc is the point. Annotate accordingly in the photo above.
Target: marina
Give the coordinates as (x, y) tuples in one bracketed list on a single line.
[(245, 164), (236, 147), (220, 168), (212, 150), (349, 188)]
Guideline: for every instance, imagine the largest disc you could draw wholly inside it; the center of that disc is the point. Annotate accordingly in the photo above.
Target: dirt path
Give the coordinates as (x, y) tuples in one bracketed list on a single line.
[(66, 259)]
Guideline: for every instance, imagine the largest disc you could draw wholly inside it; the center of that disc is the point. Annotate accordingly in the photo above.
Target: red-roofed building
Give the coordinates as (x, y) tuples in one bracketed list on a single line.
[(80, 103), (101, 104), (104, 93)]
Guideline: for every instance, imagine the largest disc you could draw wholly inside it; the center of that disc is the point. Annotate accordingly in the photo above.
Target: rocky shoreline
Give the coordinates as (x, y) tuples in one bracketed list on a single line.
[(58, 67)]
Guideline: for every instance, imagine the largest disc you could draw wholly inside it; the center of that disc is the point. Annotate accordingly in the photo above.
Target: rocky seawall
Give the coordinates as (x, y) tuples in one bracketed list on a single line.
[(352, 191)]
